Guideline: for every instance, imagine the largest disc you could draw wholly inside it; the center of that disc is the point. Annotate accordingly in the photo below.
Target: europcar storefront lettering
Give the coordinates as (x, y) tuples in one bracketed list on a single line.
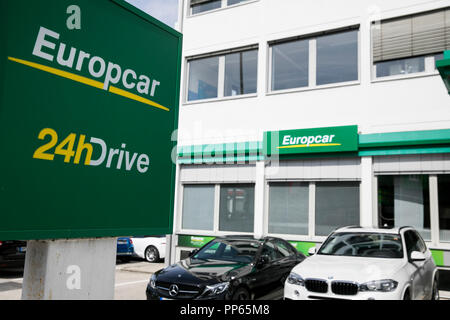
[(312, 140), (306, 141)]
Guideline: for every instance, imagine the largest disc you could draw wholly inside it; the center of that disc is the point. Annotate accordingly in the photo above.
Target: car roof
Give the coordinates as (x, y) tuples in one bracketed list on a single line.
[(359, 229), (239, 237), (246, 237)]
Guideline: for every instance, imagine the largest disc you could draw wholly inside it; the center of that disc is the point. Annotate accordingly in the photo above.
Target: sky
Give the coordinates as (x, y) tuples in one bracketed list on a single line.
[(164, 10)]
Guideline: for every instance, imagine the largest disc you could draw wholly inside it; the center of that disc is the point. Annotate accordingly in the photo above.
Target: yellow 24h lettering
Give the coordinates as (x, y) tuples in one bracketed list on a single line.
[(65, 148)]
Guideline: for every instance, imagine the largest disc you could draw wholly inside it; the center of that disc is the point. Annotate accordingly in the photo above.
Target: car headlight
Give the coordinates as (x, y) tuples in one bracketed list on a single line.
[(153, 281), (386, 285), (216, 289), (295, 279)]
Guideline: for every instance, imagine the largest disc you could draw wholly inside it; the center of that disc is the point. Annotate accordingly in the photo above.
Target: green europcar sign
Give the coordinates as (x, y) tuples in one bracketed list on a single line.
[(314, 140), (88, 104)]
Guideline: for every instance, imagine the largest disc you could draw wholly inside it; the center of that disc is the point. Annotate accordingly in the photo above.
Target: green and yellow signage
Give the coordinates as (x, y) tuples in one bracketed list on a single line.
[(317, 140), (88, 104), (193, 241)]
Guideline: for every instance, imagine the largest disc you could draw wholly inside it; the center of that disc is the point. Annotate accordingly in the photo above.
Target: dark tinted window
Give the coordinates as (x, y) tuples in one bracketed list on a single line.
[(404, 200), (285, 248), (229, 250), (374, 245), (236, 210), (413, 242), (269, 249)]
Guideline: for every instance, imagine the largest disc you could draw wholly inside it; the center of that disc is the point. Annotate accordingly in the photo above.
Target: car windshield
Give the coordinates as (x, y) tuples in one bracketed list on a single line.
[(243, 251), (374, 245)]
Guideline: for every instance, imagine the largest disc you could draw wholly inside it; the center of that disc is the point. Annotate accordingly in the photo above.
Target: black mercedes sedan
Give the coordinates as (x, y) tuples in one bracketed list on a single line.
[(230, 268)]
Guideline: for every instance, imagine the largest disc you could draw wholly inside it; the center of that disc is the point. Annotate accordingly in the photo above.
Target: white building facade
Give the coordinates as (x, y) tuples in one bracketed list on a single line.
[(298, 117)]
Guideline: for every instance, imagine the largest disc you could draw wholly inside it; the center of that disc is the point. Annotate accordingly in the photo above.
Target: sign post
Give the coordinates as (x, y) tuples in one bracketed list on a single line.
[(88, 103)]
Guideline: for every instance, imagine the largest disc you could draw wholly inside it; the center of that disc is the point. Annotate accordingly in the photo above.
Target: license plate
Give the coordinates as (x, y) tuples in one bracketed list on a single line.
[(22, 249)]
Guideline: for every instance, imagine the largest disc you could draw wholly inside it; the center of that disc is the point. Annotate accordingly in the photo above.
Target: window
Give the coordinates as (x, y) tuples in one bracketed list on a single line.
[(236, 208), (444, 207), (240, 73), (330, 204), (410, 44), (203, 78), (404, 200), (413, 243), (400, 66), (269, 250), (231, 2), (337, 58), (315, 61), (369, 245), (439, 56), (233, 251), (290, 65), (225, 75), (285, 249), (198, 207), (199, 6), (288, 208), (337, 205), (214, 207)]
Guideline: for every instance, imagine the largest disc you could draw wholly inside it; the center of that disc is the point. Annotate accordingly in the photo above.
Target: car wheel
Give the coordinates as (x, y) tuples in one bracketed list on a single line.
[(241, 294), (151, 254), (407, 295), (435, 294)]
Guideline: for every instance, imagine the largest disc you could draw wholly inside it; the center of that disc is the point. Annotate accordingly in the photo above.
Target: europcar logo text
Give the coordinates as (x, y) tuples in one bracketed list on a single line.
[(109, 73), (289, 141)]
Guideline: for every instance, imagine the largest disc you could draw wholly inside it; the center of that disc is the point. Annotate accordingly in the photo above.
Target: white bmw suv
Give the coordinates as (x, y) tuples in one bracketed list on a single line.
[(366, 264)]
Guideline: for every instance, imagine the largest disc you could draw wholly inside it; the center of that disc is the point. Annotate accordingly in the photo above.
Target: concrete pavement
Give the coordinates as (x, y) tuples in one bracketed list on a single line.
[(130, 281)]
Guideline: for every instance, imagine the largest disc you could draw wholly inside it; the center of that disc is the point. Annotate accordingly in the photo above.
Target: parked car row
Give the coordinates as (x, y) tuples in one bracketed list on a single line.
[(150, 248), (352, 263), (12, 253)]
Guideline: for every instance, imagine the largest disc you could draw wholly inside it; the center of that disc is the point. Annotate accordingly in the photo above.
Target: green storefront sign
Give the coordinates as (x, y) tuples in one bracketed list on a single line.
[(193, 241), (315, 140), (88, 104)]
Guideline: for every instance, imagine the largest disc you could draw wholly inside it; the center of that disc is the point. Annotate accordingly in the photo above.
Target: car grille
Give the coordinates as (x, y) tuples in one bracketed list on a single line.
[(185, 291), (316, 285), (344, 288)]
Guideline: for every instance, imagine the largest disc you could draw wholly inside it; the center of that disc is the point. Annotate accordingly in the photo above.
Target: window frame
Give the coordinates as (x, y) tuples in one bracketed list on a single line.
[(221, 75), (312, 67)]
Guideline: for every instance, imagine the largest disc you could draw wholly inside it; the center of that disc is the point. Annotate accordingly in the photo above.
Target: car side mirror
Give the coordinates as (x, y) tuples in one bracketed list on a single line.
[(312, 251), (193, 253), (417, 256), (262, 261)]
